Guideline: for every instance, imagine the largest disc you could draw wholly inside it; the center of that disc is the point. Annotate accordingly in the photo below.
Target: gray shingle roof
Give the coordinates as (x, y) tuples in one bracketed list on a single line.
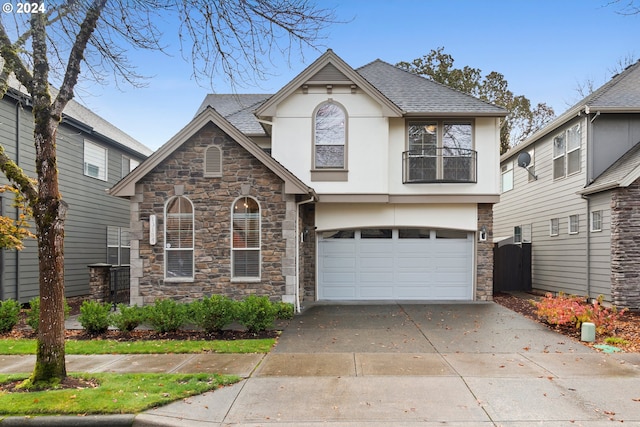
[(622, 91), (237, 109), (418, 95), (625, 169)]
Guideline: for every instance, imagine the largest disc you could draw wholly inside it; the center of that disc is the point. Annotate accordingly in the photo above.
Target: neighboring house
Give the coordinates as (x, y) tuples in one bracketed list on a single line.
[(92, 156), (347, 184), (577, 200)]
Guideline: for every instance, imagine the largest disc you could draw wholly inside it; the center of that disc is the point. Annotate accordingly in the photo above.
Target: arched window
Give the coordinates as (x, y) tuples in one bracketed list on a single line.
[(330, 136), (245, 246), (213, 161), (178, 238)]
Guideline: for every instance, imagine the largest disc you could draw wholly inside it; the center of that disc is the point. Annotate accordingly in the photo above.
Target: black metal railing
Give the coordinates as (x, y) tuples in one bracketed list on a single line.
[(439, 165), (119, 285)]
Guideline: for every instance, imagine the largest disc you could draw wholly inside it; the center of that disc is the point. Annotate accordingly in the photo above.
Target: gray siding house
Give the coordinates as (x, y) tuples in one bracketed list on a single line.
[(573, 191), (93, 155)]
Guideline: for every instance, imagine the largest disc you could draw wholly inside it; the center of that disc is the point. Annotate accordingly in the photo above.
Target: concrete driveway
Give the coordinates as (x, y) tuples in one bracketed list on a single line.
[(404, 364)]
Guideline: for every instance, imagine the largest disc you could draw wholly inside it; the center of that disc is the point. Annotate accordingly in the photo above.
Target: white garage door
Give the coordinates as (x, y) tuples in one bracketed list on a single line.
[(395, 264)]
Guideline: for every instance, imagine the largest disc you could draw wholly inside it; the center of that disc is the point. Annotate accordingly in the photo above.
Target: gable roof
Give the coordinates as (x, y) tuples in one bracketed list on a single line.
[(417, 95), (126, 187), (237, 109), (329, 68), (621, 94), (624, 172)]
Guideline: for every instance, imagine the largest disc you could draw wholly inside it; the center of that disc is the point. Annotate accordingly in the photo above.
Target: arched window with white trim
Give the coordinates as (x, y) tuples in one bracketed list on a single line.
[(245, 246), (330, 136), (178, 238)]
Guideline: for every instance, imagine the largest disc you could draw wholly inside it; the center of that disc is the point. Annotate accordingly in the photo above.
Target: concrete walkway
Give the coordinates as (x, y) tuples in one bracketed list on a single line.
[(475, 364)]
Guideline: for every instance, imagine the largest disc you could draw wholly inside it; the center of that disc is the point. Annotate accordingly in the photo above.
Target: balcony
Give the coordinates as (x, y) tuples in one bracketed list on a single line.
[(439, 165)]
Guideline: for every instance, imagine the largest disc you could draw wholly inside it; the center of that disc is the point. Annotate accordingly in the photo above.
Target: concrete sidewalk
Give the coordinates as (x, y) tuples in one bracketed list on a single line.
[(475, 364)]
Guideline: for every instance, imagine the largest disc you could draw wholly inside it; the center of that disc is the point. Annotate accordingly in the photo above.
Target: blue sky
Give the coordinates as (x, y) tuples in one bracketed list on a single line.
[(544, 48)]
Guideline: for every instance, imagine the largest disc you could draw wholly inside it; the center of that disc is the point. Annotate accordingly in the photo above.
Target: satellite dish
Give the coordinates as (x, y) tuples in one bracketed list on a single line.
[(524, 159)]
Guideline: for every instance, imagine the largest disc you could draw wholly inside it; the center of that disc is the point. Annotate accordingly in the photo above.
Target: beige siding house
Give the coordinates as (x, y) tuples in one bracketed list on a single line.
[(571, 190), (347, 184)]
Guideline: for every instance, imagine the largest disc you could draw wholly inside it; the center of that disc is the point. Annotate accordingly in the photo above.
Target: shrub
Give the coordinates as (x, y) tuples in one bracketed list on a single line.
[(94, 317), (126, 318), (166, 315), (573, 310), (9, 311), (256, 313), (284, 310), (213, 313), (33, 315)]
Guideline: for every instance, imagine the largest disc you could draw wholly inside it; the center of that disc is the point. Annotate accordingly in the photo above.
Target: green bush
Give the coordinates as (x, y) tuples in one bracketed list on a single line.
[(94, 317), (284, 310), (33, 315), (9, 311), (166, 315), (126, 318), (256, 313), (213, 313)]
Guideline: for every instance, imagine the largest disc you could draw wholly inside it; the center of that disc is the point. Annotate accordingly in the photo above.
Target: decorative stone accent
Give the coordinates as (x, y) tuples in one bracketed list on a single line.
[(625, 246), (100, 282), (484, 269), (212, 198)]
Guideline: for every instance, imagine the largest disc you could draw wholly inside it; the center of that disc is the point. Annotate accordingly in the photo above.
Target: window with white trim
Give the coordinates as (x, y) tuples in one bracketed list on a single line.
[(95, 160), (128, 164), (596, 221), (245, 245), (118, 246), (213, 161), (178, 239), (330, 136), (507, 176), (517, 234), (566, 152), (554, 226), (573, 224)]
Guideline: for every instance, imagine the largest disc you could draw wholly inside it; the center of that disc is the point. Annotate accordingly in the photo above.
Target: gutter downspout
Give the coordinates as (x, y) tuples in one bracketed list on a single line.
[(17, 274), (299, 239)]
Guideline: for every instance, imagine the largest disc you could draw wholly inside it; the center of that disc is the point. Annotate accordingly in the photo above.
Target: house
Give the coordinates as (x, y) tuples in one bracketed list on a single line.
[(92, 156), (572, 189), (346, 184)]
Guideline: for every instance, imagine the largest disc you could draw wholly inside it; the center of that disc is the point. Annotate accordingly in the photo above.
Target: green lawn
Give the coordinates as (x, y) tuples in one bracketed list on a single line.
[(97, 346), (115, 394)]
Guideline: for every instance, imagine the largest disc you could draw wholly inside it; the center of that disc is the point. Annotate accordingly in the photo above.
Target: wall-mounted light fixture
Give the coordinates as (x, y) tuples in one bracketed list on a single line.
[(482, 236)]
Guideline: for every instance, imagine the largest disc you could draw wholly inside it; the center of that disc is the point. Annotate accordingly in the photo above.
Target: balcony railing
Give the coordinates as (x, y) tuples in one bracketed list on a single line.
[(439, 165)]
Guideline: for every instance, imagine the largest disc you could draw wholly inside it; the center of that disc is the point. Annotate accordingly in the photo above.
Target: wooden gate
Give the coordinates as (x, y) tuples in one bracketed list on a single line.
[(512, 267)]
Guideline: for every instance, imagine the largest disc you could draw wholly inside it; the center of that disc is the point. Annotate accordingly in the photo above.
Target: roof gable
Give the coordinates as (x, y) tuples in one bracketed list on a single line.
[(126, 187), (624, 172), (328, 69)]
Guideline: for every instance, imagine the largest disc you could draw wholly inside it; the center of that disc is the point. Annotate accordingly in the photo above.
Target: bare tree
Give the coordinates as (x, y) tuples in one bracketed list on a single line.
[(220, 38)]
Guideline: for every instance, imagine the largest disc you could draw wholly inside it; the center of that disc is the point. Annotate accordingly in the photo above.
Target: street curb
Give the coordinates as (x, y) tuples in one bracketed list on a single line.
[(70, 421)]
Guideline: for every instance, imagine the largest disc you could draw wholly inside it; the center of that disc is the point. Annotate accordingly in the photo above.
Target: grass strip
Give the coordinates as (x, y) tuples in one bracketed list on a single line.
[(115, 394), (98, 346)]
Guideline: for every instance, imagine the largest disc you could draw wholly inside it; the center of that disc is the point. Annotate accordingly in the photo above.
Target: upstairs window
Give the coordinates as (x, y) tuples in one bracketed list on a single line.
[(178, 238), (213, 161), (245, 249), (507, 176), (95, 161), (330, 136), (566, 152), (128, 165)]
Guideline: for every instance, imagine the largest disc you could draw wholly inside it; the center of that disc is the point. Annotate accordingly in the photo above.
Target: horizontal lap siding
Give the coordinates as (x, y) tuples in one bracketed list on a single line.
[(600, 254)]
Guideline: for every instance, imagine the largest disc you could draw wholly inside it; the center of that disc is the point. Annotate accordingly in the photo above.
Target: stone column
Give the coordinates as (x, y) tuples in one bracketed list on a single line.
[(100, 281)]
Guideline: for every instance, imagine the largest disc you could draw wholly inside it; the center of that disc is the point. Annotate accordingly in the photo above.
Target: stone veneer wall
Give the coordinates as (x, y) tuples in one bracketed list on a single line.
[(182, 174), (308, 254), (484, 269), (625, 246)]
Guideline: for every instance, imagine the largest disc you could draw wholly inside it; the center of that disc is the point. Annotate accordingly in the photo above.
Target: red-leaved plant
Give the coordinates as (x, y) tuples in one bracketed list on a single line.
[(574, 310)]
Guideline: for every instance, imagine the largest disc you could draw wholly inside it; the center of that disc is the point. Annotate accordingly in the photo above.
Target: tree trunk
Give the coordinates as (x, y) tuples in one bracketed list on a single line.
[(49, 214)]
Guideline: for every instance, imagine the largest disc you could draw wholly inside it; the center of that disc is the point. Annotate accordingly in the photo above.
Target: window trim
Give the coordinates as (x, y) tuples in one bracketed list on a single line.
[(554, 227), (119, 246), (566, 152), (246, 279), (517, 234), (85, 167), (598, 228), (319, 170), (506, 170), (167, 249), (574, 220)]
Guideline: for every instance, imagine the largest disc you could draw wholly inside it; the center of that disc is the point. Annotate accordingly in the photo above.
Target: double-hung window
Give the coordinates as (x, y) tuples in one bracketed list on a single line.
[(566, 152), (573, 224), (330, 134), (440, 151), (95, 161), (507, 176), (596, 221), (118, 246), (554, 226), (245, 247), (179, 239)]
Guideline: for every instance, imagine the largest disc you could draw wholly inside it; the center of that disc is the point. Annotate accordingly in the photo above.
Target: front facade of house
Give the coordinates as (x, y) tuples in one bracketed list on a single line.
[(575, 198), (367, 184), (92, 156)]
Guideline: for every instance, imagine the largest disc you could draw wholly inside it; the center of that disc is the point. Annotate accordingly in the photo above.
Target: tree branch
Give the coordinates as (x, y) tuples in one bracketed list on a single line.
[(17, 176)]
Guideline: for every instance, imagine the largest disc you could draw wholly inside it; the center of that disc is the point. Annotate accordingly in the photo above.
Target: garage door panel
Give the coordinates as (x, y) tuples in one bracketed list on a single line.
[(418, 269)]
